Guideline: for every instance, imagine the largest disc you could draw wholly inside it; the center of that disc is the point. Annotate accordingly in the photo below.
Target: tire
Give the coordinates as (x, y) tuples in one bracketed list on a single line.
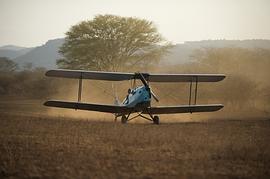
[(156, 120), (124, 120)]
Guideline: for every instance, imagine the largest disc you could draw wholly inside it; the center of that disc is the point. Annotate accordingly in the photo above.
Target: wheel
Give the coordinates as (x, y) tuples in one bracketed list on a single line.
[(124, 119), (156, 120)]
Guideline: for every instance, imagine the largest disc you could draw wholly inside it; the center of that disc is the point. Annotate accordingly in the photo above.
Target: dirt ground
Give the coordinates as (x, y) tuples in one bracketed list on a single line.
[(37, 145)]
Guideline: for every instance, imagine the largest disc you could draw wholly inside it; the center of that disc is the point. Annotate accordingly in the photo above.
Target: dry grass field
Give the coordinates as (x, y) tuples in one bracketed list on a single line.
[(40, 146)]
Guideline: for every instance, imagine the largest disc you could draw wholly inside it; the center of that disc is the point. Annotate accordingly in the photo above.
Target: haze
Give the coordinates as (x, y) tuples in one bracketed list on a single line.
[(33, 22)]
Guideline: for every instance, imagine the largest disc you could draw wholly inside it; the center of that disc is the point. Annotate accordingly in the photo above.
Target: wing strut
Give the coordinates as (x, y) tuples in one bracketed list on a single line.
[(80, 88), (195, 93), (190, 92)]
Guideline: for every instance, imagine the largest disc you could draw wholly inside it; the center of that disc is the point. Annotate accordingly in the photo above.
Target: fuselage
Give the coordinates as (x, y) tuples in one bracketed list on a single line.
[(139, 96)]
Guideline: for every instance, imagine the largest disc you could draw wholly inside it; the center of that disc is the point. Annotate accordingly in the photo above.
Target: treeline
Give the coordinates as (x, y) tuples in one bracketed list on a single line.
[(245, 88), (26, 84)]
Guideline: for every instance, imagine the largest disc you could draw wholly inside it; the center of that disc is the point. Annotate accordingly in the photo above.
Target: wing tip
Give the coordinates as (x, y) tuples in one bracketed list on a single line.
[(217, 107), (53, 103), (47, 103), (223, 76), (49, 72)]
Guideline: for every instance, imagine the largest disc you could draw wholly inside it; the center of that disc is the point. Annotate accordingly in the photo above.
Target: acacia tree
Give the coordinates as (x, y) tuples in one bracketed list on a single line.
[(110, 42)]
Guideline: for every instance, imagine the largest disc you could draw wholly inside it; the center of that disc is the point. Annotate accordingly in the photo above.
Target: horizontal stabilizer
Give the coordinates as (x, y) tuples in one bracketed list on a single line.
[(88, 106), (119, 76), (183, 109)]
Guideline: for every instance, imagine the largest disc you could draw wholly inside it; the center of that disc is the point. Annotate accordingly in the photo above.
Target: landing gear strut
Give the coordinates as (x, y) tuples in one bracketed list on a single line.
[(124, 119), (156, 120)]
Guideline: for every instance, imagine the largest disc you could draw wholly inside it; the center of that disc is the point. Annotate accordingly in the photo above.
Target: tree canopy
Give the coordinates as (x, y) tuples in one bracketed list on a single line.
[(110, 42)]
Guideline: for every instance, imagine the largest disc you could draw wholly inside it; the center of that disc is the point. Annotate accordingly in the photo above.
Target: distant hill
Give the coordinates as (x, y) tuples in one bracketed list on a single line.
[(47, 54), (181, 52), (12, 47), (256, 43), (42, 56), (12, 51)]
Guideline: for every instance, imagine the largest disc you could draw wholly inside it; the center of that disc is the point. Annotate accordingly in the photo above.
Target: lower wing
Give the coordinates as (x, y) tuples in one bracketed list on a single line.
[(126, 110), (183, 109), (89, 106)]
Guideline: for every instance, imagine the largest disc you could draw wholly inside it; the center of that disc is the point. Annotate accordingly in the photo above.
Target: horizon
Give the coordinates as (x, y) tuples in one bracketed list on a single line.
[(32, 23), (188, 41)]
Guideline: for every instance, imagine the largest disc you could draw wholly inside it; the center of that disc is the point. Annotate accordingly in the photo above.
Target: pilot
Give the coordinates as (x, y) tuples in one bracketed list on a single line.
[(127, 98)]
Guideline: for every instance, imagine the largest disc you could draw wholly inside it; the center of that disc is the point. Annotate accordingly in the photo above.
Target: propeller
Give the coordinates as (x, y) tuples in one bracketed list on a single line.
[(147, 85)]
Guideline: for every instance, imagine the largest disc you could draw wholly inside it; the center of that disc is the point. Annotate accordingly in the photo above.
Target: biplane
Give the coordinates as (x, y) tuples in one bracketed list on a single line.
[(138, 99)]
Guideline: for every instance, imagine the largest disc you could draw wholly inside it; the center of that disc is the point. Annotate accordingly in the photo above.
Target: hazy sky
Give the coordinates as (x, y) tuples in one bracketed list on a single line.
[(33, 22)]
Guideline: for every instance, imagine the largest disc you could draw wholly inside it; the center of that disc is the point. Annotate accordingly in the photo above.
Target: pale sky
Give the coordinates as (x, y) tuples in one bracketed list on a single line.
[(33, 22)]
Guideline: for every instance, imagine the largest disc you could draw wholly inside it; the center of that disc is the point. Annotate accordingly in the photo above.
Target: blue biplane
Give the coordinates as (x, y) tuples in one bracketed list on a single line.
[(138, 99)]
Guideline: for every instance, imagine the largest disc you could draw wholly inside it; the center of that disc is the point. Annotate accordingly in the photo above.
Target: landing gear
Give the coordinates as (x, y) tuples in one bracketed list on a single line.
[(124, 119), (156, 120)]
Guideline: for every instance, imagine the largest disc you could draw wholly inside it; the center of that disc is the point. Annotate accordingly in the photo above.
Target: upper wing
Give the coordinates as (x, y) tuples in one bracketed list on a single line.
[(119, 76), (186, 77), (89, 106), (183, 109), (95, 75)]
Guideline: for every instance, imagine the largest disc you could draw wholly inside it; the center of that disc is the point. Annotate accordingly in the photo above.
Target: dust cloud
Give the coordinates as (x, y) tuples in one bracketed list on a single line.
[(244, 92)]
